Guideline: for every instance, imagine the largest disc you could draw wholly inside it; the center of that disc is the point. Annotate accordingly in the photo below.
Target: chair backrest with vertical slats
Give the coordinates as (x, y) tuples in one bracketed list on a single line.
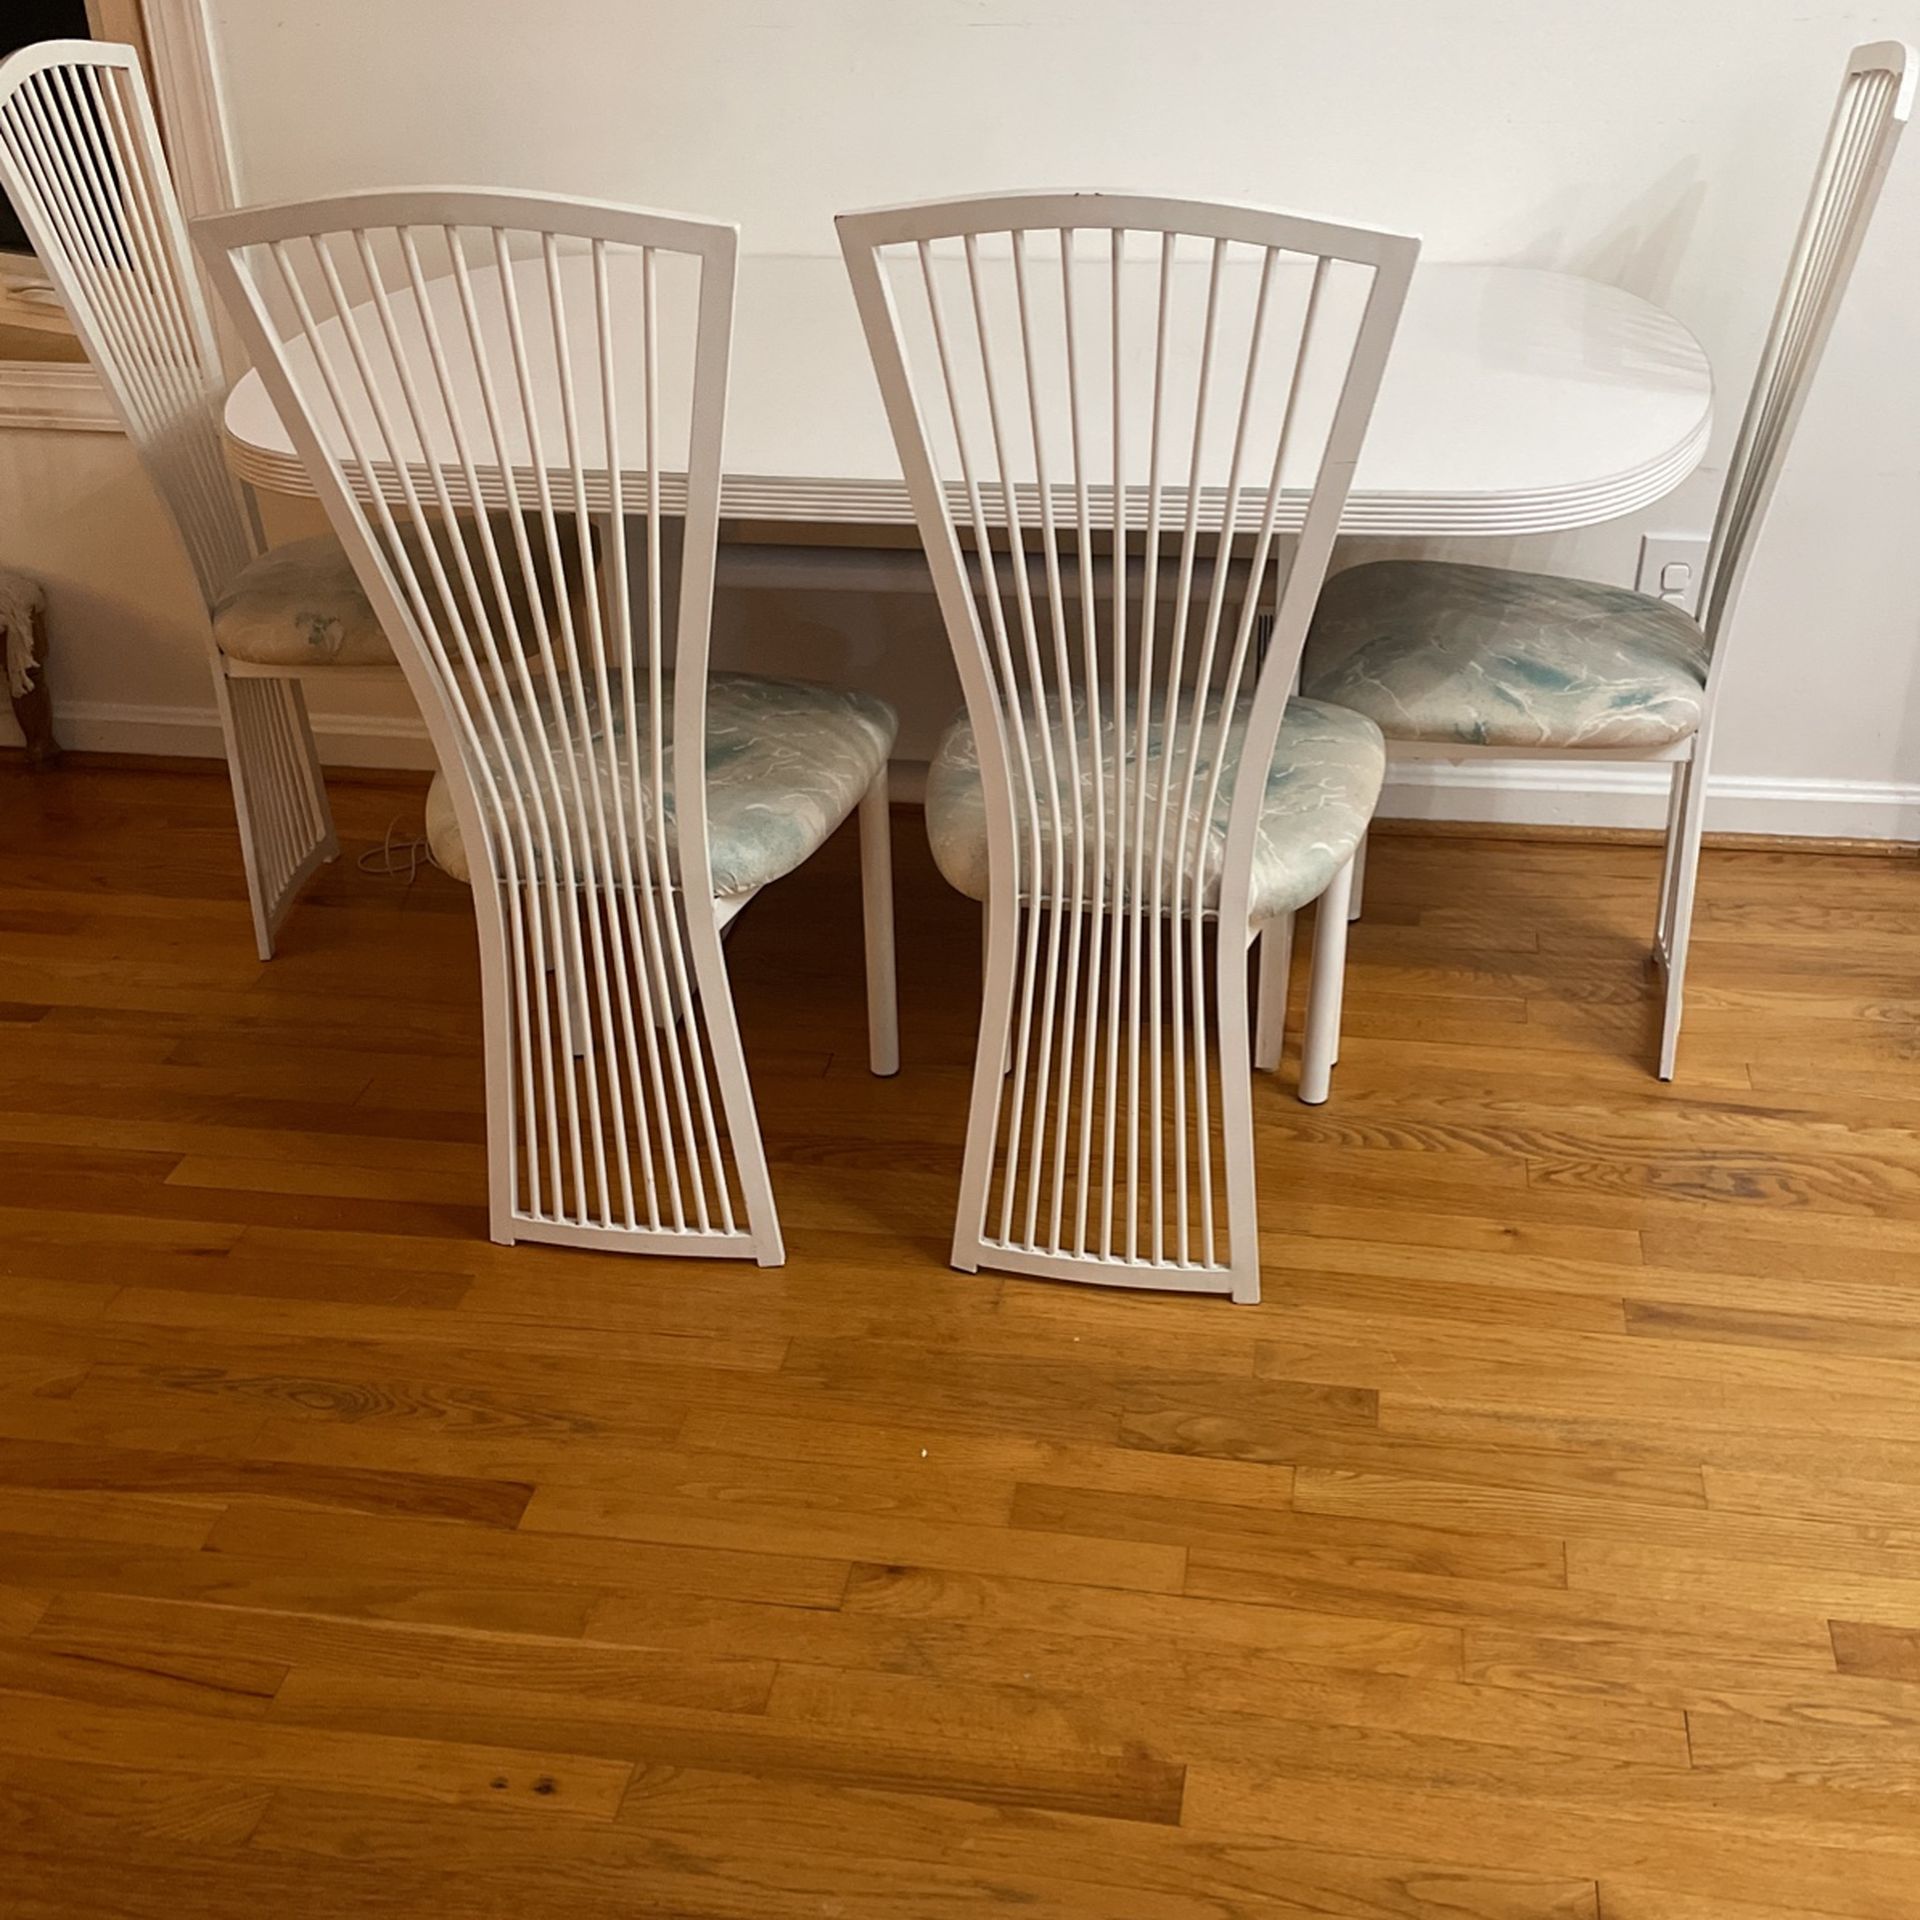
[(1876, 99), (80, 158), (488, 389), (1128, 425)]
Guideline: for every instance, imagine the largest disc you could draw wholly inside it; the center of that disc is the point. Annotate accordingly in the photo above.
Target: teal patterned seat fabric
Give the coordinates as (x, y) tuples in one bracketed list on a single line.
[(787, 761), (1436, 651), (1321, 793)]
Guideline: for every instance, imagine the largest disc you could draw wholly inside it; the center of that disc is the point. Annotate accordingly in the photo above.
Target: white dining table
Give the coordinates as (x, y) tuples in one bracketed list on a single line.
[(1516, 401)]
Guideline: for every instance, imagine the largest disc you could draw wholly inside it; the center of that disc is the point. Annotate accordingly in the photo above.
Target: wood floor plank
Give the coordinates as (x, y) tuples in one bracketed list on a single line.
[(1088, 1559), (1487, 1232), (1315, 1659), (79, 1806), (1497, 1362), (1863, 1646), (1872, 1756), (1771, 1538), (1054, 1396), (1521, 1461), (1863, 1502), (62, 1466), (125, 1519), (1888, 1338), (1211, 1721), (476, 1597), (403, 1324), (1790, 1685), (1711, 1265), (1718, 1605), (402, 1765), (1285, 1536), (1688, 1845), (1606, 1566), (905, 1455), (731, 1845), (131, 1628), (1385, 1637), (216, 1681), (1118, 1781), (1702, 1436), (1632, 1898), (48, 1880), (1121, 1863), (430, 1548), (414, 1385)]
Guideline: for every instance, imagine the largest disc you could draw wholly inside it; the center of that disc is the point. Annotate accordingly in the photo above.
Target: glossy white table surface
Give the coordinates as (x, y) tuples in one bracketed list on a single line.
[(1516, 401)]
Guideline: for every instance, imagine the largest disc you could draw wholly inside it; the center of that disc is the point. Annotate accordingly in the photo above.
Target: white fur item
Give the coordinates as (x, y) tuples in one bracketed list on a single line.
[(20, 600)]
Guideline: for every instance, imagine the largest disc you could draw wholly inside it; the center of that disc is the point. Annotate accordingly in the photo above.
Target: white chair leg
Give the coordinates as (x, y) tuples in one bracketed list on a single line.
[(1359, 878), (876, 906), (1686, 871), (279, 797), (1663, 925), (1326, 989), (1270, 1018)]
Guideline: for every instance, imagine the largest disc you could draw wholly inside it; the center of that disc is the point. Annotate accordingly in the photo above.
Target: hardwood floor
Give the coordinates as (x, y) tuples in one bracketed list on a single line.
[(1546, 1545)]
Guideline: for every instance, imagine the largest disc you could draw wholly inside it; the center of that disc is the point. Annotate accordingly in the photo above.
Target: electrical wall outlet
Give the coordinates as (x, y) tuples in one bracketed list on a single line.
[(1671, 565)]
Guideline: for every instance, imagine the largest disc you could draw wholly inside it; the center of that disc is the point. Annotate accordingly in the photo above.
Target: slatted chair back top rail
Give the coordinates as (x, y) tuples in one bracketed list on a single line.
[(1128, 425), (81, 160), (412, 340), (1869, 116)]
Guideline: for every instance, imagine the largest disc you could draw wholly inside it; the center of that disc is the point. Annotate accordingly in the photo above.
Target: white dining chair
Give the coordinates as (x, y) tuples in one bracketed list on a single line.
[(487, 389), (81, 161), (1128, 425), (1456, 661)]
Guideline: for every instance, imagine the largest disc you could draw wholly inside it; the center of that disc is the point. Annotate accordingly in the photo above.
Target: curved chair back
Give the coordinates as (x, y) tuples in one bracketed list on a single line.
[(1871, 113), (486, 389), (1128, 425), (80, 159)]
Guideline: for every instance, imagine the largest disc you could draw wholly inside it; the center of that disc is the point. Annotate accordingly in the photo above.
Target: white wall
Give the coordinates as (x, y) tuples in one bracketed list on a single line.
[(1662, 144), (127, 628)]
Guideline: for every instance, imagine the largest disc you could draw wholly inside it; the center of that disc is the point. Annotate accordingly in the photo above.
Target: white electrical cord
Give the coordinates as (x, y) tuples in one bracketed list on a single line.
[(395, 858)]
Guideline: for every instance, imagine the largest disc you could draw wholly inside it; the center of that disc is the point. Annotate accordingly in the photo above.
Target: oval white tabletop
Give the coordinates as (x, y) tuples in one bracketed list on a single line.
[(1516, 401)]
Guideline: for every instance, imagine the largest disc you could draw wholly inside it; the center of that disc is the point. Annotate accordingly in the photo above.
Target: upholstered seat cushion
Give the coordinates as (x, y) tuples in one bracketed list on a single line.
[(1321, 793), (1442, 652), (787, 761), (301, 605)]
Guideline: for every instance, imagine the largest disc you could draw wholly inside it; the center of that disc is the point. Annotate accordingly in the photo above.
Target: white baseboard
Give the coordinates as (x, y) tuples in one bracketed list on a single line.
[(345, 740), (1554, 793), (1523, 792)]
